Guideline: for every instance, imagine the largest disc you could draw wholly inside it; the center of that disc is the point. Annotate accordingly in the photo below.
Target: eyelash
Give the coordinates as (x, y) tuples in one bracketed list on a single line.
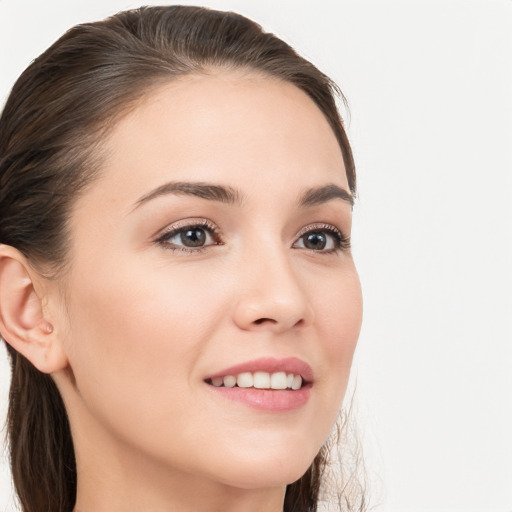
[(341, 242), (214, 232)]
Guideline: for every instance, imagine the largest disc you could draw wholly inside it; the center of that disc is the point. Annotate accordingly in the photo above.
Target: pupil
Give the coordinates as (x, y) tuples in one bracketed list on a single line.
[(316, 241), (193, 237)]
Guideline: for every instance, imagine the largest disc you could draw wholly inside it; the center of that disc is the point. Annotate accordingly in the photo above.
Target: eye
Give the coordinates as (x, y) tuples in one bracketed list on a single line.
[(190, 237), (317, 241), (322, 238)]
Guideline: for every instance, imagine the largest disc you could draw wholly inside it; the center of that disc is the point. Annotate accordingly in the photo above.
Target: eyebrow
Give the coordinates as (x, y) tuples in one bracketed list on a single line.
[(319, 195), (207, 191), (229, 195)]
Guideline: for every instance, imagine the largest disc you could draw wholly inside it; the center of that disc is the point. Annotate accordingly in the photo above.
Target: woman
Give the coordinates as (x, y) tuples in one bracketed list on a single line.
[(177, 291)]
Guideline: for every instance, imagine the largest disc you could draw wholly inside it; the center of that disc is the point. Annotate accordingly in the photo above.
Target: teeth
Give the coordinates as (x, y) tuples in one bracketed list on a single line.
[(260, 380), (218, 381), (245, 380), (297, 382), (229, 381), (278, 380)]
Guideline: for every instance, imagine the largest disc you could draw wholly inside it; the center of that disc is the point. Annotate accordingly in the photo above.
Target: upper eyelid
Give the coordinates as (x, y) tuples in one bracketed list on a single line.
[(318, 226), (177, 226)]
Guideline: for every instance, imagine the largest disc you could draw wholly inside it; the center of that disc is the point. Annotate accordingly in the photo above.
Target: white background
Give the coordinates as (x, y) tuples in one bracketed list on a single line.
[(430, 91)]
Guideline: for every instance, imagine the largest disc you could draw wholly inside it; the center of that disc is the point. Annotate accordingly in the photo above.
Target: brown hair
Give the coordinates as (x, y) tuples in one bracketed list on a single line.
[(50, 134)]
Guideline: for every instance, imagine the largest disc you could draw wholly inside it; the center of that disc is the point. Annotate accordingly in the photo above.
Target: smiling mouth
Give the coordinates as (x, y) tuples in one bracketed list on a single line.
[(260, 380)]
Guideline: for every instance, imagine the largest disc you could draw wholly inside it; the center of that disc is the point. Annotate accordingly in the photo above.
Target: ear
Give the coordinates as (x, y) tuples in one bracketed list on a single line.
[(22, 322)]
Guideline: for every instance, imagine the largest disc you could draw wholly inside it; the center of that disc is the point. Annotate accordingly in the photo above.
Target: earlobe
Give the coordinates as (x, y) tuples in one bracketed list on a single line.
[(22, 322)]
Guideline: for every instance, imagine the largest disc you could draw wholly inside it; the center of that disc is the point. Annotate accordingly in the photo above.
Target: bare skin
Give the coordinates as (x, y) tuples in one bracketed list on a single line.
[(142, 320)]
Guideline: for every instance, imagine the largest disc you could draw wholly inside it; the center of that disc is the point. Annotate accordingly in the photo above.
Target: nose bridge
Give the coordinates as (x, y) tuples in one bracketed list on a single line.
[(270, 294)]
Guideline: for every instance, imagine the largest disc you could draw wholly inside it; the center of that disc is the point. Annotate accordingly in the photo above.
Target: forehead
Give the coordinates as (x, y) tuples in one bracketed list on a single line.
[(243, 130)]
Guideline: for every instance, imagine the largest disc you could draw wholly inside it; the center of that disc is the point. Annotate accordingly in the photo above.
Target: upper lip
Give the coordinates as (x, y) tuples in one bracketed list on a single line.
[(270, 365)]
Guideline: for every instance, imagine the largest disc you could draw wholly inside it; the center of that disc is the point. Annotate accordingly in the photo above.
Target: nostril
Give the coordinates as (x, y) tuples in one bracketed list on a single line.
[(261, 320)]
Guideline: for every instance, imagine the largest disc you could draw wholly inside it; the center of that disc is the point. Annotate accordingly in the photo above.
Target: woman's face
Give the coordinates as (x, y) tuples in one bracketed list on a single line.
[(214, 243)]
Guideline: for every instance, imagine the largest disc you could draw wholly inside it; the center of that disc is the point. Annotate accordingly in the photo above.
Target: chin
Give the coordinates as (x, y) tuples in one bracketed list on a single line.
[(277, 477), (258, 472)]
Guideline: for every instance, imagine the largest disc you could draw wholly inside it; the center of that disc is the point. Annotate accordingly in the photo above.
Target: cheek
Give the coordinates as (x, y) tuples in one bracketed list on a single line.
[(338, 314), (135, 336), (125, 310)]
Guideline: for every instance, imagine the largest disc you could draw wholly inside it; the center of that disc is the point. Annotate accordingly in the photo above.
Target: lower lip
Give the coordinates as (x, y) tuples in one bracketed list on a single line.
[(273, 400)]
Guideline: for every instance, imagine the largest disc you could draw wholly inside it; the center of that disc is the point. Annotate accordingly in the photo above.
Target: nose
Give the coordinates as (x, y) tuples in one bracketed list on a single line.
[(270, 295)]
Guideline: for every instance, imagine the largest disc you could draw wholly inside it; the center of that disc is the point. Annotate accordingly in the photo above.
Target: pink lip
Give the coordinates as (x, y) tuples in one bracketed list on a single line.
[(271, 400), (270, 365)]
